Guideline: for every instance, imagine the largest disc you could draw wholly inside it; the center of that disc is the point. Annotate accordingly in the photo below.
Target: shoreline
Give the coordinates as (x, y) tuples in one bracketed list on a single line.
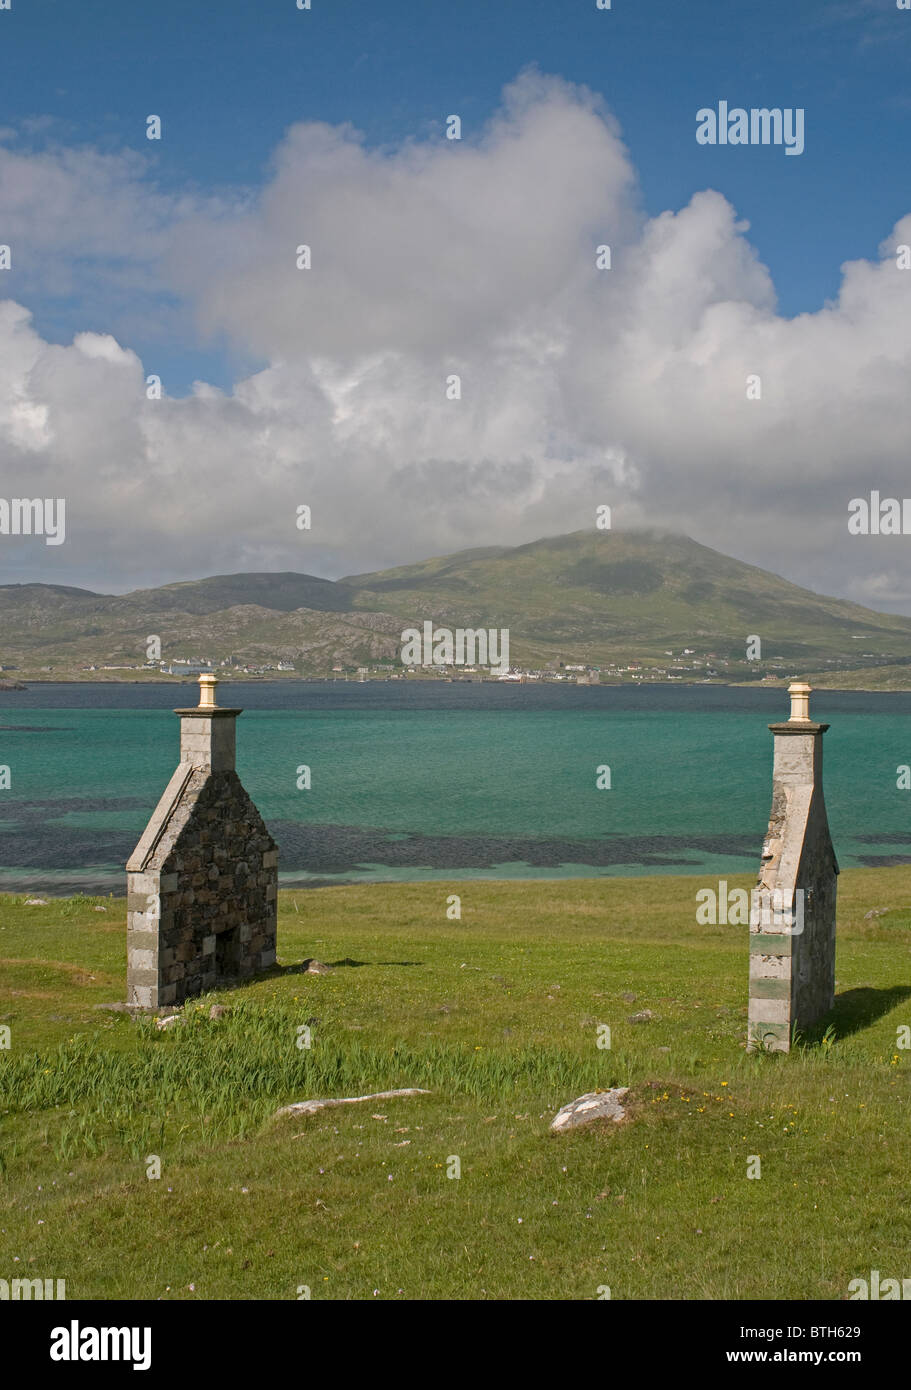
[(12, 688), (666, 881)]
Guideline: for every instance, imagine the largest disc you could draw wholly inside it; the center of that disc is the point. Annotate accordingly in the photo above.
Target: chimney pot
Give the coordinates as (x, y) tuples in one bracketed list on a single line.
[(799, 692), (207, 684)]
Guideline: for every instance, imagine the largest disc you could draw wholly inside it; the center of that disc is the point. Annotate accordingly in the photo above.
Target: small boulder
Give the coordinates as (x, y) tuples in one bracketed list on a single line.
[(316, 967), (36, 902), (219, 1011), (166, 1022), (594, 1105), (644, 1017)]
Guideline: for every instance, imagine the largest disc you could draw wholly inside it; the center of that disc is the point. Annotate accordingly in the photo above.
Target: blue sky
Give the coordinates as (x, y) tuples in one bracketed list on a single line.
[(229, 77), (175, 258)]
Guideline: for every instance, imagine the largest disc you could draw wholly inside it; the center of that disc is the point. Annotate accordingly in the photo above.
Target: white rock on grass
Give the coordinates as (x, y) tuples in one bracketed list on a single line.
[(595, 1105), (309, 1107)]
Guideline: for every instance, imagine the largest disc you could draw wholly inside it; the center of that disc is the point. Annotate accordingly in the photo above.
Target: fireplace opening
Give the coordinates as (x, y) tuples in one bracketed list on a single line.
[(227, 953)]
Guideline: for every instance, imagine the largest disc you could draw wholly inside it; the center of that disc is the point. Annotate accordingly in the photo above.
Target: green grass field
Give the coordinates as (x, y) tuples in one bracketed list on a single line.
[(497, 1015)]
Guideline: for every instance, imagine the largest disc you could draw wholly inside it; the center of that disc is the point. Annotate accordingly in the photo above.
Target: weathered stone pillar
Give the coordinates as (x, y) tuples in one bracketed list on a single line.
[(202, 882), (792, 917)]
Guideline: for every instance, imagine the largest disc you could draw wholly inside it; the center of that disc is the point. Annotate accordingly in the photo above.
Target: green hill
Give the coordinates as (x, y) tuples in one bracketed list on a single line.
[(612, 596), (673, 607)]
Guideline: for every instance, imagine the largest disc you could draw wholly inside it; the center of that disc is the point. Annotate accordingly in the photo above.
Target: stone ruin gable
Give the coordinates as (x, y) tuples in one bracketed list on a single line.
[(792, 974), (798, 853), (211, 879), (202, 882)]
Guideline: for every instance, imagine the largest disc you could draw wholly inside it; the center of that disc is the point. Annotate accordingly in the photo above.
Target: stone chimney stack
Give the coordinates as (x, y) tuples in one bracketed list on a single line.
[(202, 882), (792, 917), (207, 732)]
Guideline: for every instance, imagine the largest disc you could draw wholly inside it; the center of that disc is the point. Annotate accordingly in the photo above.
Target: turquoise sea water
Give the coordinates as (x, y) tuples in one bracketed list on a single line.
[(438, 781)]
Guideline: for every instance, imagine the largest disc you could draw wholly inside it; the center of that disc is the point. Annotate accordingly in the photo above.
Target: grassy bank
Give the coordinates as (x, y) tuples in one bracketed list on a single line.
[(497, 1015)]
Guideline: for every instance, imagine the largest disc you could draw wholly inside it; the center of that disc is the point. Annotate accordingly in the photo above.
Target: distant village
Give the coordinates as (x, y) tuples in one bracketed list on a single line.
[(687, 665)]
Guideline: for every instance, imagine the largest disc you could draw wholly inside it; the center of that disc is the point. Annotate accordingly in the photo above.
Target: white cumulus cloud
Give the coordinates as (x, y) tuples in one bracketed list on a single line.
[(434, 260)]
